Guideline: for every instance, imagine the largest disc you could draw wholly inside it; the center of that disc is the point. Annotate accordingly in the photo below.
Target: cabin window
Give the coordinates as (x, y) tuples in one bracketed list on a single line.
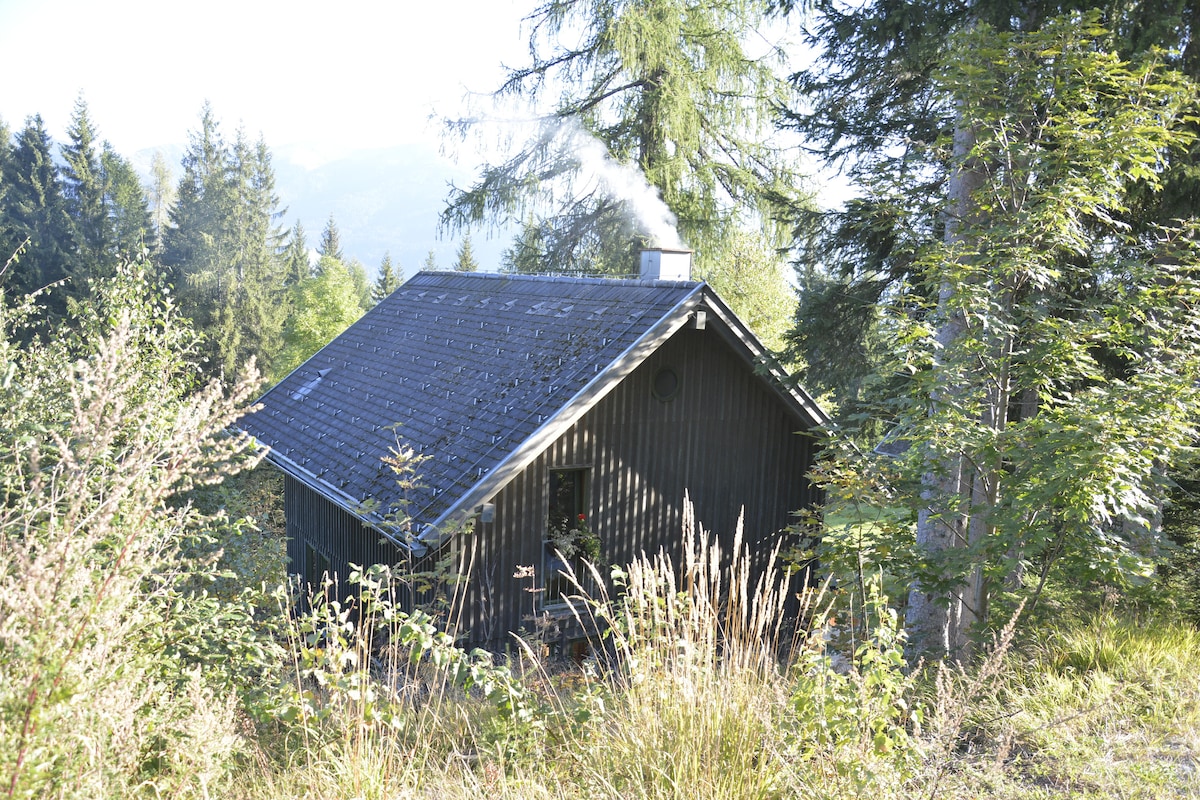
[(569, 539)]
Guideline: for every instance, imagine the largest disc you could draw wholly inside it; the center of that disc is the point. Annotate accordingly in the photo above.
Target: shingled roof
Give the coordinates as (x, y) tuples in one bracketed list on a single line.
[(476, 372)]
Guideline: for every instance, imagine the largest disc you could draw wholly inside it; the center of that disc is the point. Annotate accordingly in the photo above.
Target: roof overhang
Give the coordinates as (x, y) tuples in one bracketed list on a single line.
[(339, 498)]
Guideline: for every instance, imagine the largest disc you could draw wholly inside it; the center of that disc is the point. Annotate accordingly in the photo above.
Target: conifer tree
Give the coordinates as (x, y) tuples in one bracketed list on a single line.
[(389, 279), (5, 159), (430, 262), (222, 250), (105, 200), (84, 190), (35, 208), (1031, 371), (192, 241), (466, 259), (331, 241), (297, 266), (871, 107), (258, 303), (131, 224), (665, 87)]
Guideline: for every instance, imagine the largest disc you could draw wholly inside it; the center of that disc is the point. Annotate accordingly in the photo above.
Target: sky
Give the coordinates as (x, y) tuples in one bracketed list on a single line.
[(319, 81), (329, 76), (348, 95)]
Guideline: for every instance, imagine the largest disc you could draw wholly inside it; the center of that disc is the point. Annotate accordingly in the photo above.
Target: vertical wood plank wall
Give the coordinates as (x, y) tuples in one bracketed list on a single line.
[(725, 440), (342, 538)]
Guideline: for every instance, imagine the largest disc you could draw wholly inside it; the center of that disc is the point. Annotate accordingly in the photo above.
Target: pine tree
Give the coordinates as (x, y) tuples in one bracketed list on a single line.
[(257, 308), (389, 279), (430, 262), (7, 245), (466, 259), (36, 209), (222, 250), (297, 265), (84, 190), (130, 221), (331, 241), (1029, 368), (871, 106), (193, 239)]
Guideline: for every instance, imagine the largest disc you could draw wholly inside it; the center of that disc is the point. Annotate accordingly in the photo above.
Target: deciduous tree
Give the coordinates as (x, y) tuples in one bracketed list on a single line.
[(325, 305), (1049, 352), (161, 194)]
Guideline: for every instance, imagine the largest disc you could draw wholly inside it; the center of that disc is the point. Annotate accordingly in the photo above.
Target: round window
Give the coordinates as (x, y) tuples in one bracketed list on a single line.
[(666, 384)]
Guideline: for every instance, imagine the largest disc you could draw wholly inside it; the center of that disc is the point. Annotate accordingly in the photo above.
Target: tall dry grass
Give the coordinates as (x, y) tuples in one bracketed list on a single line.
[(694, 691)]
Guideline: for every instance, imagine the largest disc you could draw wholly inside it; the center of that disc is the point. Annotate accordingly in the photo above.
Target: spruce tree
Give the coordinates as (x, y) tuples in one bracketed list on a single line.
[(223, 249), (6, 243), (331, 241), (297, 266), (192, 241), (257, 304), (84, 190), (870, 106), (35, 208), (131, 223), (466, 259), (1024, 288), (430, 262), (389, 279)]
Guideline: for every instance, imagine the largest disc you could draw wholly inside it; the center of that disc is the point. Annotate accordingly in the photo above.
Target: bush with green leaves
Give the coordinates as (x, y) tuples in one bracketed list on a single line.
[(116, 676), (855, 717)]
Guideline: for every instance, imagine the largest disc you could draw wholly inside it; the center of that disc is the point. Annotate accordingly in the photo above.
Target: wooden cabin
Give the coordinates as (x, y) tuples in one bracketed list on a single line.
[(544, 415)]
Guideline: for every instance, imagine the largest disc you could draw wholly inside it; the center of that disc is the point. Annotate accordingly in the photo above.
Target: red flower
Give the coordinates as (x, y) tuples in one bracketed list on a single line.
[(583, 517)]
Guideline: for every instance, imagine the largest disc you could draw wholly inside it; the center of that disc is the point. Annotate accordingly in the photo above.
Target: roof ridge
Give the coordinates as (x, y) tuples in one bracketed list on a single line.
[(611, 280)]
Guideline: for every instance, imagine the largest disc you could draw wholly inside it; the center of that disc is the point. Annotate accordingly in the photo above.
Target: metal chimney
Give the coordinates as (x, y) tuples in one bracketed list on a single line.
[(660, 264)]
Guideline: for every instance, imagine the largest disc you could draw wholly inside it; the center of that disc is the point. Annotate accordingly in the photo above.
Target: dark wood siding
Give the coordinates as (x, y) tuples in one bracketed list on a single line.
[(316, 526), (724, 439)]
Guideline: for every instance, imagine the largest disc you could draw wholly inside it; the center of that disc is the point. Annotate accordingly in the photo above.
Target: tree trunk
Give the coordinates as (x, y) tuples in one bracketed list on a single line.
[(938, 622)]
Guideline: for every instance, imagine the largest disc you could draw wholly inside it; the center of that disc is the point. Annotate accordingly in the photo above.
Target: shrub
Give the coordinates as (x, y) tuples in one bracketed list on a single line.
[(107, 681)]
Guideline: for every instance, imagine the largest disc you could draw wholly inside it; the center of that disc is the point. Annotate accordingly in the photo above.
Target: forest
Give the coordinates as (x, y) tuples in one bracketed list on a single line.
[(1002, 322)]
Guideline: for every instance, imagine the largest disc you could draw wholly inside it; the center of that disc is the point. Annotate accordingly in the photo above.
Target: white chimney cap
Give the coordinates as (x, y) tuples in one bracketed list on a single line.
[(666, 265)]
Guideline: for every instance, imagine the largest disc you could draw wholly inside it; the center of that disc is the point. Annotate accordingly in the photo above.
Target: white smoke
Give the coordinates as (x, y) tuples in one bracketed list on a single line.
[(622, 182), (551, 144)]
